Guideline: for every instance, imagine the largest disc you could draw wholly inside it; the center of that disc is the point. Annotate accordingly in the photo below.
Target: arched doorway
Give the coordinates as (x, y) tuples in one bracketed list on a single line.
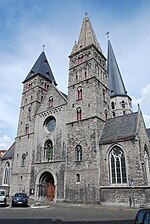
[(46, 186)]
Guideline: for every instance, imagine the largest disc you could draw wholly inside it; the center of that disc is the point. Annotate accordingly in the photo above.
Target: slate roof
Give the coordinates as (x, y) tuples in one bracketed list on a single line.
[(119, 128), (41, 67), (116, 84), (87, 36), (148, 133), (64, 95), (9, 153)]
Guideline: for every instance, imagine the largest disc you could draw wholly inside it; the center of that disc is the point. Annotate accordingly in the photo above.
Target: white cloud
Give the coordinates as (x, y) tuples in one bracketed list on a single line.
[(147, 120), (5, 142), (144, 102)]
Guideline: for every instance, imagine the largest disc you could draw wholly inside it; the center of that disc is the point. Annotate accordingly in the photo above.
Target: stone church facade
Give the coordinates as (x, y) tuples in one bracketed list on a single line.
[(84, 147)]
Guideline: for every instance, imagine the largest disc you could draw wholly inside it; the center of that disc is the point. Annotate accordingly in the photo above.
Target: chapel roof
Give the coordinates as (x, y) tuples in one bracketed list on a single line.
[(9, 153), (148, 133), (119, 128)]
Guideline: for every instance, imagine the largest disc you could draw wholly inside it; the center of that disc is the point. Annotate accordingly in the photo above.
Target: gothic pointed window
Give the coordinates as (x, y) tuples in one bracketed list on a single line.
[(78, 153), (50, 103), (80, 93), (7, 173), (117, 166), (48, 150), (23, 159), (79, 114)]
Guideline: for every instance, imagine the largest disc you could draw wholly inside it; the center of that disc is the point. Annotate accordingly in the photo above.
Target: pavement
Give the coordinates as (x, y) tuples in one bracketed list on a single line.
[(45, 203)]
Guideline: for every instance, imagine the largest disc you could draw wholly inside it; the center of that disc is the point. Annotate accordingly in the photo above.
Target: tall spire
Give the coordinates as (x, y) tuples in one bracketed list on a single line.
[(41, 67), (87, 36), (116, 85)]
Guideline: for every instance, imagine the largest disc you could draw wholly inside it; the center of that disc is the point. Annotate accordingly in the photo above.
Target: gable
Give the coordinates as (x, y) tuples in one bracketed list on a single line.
[(59, 99)]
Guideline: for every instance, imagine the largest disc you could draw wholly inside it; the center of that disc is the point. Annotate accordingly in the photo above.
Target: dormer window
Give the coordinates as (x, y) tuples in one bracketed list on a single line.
[(47, 73)]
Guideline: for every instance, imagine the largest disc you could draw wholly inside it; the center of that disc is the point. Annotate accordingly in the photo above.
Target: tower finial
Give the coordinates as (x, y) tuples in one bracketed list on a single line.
[(86, 14), (107, 34), (43, 47)]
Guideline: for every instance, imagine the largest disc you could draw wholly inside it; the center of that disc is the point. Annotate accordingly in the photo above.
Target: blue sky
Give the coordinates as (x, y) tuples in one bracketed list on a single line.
[(28, 24)]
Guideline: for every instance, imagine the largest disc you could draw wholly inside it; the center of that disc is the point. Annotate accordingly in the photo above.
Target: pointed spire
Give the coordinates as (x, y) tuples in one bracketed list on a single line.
[(87, 36), (41, 67), (116, 85)]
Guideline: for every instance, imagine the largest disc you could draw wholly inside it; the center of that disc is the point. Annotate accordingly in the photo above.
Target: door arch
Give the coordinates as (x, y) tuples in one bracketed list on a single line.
[(47, 186)]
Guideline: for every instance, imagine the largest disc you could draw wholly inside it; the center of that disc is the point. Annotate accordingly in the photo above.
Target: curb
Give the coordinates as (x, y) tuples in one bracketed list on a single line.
[(39, 206)]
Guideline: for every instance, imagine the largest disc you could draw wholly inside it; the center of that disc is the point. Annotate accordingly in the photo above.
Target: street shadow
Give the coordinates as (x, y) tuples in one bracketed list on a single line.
[(58, 221)]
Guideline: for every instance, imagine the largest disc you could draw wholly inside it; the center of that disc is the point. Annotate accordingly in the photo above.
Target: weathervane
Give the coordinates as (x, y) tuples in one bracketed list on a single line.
[(43, 47), (107, 34)]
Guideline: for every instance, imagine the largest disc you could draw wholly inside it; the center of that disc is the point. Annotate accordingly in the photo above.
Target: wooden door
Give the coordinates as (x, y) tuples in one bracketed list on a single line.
[(50, 191)]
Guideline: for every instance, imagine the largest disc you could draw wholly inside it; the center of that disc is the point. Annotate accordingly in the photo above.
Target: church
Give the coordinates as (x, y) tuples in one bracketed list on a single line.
[(84, 147)]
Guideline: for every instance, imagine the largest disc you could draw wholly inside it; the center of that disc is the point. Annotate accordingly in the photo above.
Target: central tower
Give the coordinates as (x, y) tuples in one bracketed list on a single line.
[(88, 109)]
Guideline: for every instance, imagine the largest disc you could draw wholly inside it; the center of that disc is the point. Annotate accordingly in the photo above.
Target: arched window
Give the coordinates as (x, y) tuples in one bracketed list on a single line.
[(48, 150), (117, 166), (29, 110), (79, 114), (114, 114), (123, 104), (27, 129), (104, 95), (146, 165), (78, 153), (23, 159), (7, 173), (80, 93), (77, 178), (112, 105), (76, 78), (106, 114), (50, 103)]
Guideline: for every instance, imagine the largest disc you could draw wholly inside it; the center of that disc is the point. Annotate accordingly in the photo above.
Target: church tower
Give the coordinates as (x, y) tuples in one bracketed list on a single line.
[(35, 87), (120, 101), (88, 109)]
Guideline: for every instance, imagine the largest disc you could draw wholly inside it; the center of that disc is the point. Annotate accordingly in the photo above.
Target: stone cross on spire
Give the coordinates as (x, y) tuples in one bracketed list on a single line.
[(107, 34)]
